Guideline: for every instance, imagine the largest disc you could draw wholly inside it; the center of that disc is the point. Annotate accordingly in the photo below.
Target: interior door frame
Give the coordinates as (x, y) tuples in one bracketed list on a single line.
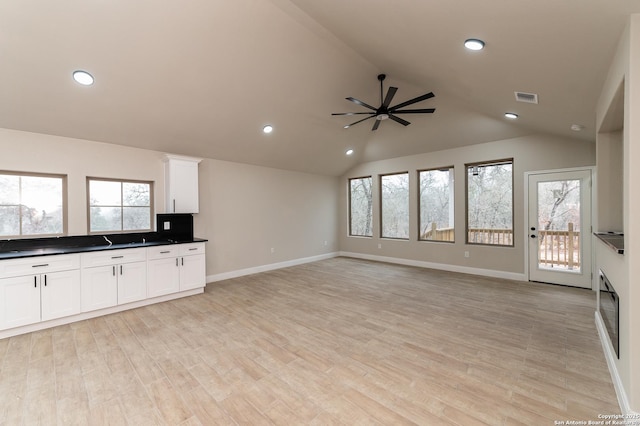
[(525, 230)]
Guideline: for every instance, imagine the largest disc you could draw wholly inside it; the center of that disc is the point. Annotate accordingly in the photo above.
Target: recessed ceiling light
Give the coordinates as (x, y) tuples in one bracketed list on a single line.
[(268, 128), (577, 127), (474, 44), (349, 152), (511, 115), (83, 77)]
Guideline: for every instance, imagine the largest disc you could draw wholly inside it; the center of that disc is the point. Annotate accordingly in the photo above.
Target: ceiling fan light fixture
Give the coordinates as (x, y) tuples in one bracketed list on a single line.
[(382, 116), (267, 129), (474, 44), (83, 77), (511, 115)]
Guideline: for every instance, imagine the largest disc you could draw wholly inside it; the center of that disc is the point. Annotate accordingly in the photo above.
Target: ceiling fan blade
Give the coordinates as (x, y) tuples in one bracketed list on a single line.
[(375, 125), (366, 118), (415, 111), (351, 113), (413, 101), (359, 102), (399, 120), (390, 94)]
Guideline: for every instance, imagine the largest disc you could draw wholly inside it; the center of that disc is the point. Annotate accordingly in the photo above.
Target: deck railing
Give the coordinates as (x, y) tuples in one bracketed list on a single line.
[(556, 248), (559, 248)]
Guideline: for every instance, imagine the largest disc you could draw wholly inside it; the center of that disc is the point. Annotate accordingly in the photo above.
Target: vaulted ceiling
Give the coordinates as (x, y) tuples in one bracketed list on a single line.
[(202, 77)]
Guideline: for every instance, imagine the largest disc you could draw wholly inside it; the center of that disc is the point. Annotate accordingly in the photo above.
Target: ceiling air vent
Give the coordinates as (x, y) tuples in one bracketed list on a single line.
[(530, 98)]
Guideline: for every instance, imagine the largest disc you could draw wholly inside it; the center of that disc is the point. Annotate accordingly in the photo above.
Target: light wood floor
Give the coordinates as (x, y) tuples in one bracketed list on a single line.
[(340, 341)]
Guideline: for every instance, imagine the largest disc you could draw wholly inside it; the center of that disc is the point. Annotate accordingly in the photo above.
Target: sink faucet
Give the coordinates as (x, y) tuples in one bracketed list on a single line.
[(106, 239)]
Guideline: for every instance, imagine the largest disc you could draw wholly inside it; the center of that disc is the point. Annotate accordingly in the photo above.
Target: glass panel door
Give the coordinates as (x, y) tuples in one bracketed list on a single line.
[(560, 228)]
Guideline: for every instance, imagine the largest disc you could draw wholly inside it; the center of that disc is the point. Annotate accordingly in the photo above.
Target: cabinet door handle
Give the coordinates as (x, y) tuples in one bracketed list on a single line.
[(192, 249), (176, 261), (120, 269), (165, 252), (174, 205), (45, 280), (40, 266), (117, 257), (183, 261), (114, 270), (35, 282)]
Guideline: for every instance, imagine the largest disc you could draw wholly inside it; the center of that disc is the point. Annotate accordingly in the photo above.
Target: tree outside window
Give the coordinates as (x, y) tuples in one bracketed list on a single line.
[(436, 205), (490, 203), (32, 205), (394, 204), (360, 207), (116, 205)]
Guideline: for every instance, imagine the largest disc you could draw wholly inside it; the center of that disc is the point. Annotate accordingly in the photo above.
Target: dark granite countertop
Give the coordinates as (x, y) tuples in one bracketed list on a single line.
[(614, 240), (20, 248)]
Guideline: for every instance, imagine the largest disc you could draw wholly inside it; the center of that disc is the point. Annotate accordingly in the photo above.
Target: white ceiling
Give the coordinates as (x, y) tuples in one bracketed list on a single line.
[(202, 77)]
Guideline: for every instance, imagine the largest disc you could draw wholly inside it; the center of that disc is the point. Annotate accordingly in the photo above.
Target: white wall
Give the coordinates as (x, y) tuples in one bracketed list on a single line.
[(530, 153), (244, 210), (623, 270), (34, 152)]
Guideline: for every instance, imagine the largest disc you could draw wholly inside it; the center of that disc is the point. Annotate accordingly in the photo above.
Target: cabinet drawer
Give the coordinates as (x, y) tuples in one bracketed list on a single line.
[(39, 265), (193, 248), (161, 252), (112, 257)]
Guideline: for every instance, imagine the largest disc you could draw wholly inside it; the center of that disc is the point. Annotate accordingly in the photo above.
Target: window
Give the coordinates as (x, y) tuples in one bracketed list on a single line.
[(32, 204), (394, 203), (436, 205), (490, 203), (116, 205), (360, 207)]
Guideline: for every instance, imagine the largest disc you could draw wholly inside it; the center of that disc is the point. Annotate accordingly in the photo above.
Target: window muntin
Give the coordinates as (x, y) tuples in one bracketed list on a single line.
[(119, 205), (360, 207), (32, 204), (436, 200), (394, 206), (490, 203)]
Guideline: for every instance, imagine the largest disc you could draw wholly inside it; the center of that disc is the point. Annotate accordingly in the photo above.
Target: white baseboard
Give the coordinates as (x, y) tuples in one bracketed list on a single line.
[(610, 356), (441, 266), (268, 267)]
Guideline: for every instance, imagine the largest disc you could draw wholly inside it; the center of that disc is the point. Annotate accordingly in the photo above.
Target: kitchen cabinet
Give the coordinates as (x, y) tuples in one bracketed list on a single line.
[(39, 289), (113, 277), (175, 268), (181, 184), (48, 286)]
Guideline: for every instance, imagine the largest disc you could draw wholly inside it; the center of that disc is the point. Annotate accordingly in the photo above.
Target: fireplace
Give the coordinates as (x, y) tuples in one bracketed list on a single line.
[(609, 308)]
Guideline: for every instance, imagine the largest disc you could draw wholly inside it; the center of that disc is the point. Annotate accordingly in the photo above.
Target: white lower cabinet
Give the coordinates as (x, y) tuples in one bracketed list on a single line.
[(59, 294), (48, 294), (112, 278), (175, 268), (163, 276), (43, 288)]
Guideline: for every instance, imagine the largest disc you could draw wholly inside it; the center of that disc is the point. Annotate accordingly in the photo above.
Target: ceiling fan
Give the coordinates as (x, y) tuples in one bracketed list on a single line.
[(385, 111)]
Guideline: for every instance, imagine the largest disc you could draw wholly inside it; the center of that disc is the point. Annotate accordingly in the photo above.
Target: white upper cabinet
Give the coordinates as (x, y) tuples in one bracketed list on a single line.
[(181, 184)]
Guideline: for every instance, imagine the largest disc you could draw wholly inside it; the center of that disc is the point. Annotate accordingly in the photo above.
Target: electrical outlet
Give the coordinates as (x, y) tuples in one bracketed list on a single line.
[(466, 254), (379, 246), (326, 243), (167, 225), (273, 250)]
